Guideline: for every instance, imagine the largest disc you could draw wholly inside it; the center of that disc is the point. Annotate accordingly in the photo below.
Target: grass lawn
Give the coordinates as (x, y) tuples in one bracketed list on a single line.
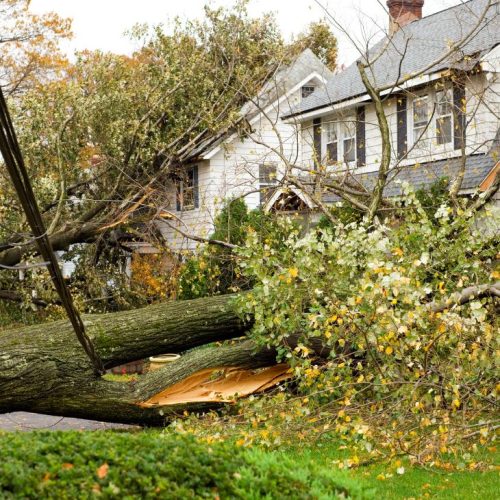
[(414, 482), (161, 464)]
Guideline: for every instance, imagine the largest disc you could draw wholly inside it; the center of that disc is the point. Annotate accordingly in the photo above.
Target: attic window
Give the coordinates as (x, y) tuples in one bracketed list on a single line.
[(307, 90)]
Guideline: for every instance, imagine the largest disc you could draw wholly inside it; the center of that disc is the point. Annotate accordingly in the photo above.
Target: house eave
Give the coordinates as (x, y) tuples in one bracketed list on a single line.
[(326, 109)]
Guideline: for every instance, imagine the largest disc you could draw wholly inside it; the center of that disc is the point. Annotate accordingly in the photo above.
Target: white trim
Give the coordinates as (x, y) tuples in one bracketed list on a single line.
[(210, 154), (328, 109), (431, 133)]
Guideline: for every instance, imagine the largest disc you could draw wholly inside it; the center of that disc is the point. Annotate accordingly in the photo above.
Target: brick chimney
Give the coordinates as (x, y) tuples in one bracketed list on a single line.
[(403, 12)]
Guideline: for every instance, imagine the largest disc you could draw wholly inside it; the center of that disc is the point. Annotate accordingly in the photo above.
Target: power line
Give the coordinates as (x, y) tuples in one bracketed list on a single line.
[(14, 162)]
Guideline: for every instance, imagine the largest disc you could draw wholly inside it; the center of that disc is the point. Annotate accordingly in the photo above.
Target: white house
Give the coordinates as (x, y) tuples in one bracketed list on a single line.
[(236, 166), (440, 77)]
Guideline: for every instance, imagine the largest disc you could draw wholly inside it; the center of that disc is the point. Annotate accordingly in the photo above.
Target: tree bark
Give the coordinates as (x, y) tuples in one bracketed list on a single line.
[(44, 369)]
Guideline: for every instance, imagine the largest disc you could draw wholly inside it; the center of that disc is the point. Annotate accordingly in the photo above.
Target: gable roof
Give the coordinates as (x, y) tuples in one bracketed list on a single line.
[(305, 65), (414, 47)]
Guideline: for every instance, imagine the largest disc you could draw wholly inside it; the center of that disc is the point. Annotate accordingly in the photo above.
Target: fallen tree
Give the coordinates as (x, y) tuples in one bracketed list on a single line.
[(43, 368)]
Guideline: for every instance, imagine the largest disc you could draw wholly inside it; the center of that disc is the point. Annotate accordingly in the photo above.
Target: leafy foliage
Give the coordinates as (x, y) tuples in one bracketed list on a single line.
[(29, 46), (148, 465), (216, 270), (319, 38), (399, 377)]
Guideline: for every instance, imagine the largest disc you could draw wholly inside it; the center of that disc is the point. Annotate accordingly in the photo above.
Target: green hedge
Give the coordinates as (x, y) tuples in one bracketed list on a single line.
[(149, 464)]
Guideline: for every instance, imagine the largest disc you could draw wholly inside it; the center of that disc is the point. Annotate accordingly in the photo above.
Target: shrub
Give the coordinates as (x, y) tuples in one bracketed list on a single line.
[(73, 465), (215, 270)]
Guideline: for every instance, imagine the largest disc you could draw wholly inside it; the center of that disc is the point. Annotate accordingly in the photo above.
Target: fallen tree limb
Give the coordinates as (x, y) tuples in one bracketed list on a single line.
[(466, 295), (14, 296), (44, 370)]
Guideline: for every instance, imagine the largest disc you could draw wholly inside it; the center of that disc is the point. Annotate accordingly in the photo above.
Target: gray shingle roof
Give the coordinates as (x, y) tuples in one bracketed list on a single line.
[(423, 175), (416, 46), (286, 78)]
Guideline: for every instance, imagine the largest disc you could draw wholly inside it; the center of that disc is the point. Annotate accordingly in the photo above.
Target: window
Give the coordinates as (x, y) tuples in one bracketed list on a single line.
[(349, 141), (307, 90), (420, 117), (187, 189), (340, 140), (433, 116), (444, 116), (331, 143), (267, 181)]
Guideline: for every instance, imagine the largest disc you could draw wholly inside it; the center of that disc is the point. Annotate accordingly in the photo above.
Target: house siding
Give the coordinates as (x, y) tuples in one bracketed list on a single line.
[(482, 111), (234, 171)]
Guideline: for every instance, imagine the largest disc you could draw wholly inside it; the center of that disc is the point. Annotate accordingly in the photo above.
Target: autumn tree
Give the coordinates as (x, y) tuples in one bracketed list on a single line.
[(320, 39), (29, 46)]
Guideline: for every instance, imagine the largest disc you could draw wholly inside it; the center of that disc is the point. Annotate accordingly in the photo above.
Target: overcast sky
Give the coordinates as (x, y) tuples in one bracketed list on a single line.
[(101, 24)]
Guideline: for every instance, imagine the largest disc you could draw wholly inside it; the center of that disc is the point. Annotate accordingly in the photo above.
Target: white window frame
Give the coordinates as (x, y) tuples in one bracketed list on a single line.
[(265, 186), (440, 115), (433, 115), (187, 187), (331, 137), (349, 133), (345, 129), (309, 92)]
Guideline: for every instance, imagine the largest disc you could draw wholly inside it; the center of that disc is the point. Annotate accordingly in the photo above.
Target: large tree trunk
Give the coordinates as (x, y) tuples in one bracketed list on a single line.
[(44, 369)]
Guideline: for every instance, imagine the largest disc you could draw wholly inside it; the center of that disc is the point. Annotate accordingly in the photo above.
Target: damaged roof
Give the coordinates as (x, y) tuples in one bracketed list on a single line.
[(279, 84)]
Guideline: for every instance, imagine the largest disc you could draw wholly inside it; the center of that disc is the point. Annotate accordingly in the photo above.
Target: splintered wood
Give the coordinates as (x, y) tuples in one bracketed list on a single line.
[(219, 385)]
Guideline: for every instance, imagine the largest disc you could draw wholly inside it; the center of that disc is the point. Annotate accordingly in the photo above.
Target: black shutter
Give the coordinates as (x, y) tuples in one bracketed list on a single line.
[(317, 141), (178, 195), (196, 193), (360, 136), (459, 116), (402, 125)]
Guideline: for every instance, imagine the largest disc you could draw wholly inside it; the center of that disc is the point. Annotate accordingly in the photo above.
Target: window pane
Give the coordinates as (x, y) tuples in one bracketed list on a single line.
[(307, 90), (188, 199), (331, 132), (349, 129), (444, 102), (417, 133), (420, 111), (443, 130), (267, 174), (349, 150), (331, 153), (265, 194)]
